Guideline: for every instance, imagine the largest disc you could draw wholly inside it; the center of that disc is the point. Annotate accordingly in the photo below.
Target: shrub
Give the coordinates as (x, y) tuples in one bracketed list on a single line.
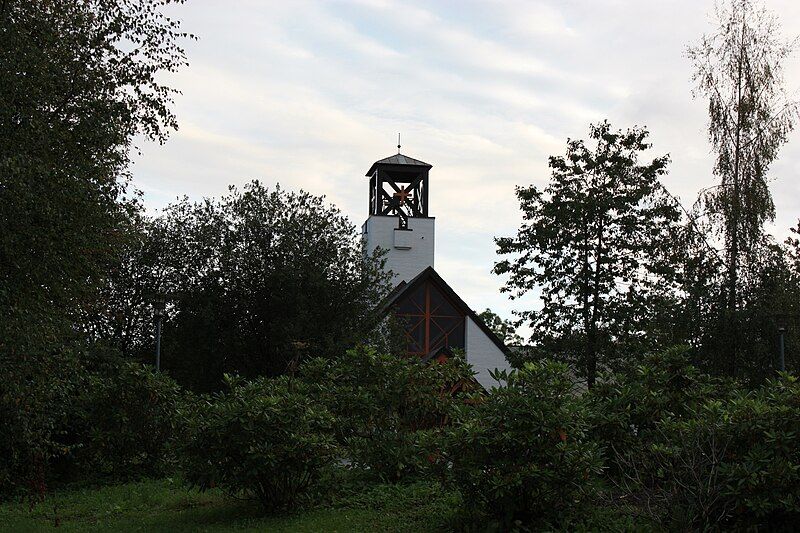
[(761, 470), (693, 451), (626, 408), (265, 439), (81, 413), (734, 464), (124, 423), (36, 399), (522, 455), (389, 409)]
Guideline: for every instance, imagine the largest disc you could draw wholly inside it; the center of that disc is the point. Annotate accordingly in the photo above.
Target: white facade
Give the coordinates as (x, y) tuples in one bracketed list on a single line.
[(409, 252), (483, 354)]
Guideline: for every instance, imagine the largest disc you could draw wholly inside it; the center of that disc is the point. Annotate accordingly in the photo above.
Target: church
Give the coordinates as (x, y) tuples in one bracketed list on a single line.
[(434, 317)]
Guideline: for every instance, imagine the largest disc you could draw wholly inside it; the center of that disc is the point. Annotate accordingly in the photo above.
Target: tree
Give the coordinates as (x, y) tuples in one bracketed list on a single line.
[(595, 244), (78, 81), (504, 329), (739, 68), (772, 300), (121, 314), (260, 279)]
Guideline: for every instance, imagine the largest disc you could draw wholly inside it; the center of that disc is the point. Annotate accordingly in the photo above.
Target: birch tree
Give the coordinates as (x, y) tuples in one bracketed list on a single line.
[(739, 70)]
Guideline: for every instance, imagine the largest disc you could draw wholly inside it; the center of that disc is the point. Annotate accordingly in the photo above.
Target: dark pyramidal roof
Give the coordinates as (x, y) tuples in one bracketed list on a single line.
[(398, 159)]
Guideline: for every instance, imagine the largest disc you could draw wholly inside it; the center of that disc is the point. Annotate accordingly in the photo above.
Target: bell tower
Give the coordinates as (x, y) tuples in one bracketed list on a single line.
[(398, 215)]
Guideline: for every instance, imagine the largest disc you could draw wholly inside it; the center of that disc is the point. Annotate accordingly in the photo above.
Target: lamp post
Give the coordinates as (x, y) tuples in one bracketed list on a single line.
[(782, 359), (159, 305)]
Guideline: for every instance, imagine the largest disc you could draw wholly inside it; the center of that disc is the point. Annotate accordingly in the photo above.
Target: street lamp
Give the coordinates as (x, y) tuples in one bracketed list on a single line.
[(159, 305), (782, 327)]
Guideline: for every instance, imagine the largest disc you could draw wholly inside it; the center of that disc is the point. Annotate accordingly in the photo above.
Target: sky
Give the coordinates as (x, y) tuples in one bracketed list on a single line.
[(309, 94)]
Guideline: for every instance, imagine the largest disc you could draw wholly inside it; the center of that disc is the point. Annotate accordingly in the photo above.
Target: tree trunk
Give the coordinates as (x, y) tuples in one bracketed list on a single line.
[(585, 312), (733, 226), (591, 334)]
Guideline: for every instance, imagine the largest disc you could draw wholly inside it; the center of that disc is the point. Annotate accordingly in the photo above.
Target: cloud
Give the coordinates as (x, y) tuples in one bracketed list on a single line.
[(311, 93)]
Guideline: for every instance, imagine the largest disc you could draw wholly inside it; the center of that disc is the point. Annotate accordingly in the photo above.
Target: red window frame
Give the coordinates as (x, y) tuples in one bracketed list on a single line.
[(431, 319)]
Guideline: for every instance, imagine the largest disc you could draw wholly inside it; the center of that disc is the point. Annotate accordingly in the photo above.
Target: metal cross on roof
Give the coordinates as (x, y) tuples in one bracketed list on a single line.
[(403, 195)]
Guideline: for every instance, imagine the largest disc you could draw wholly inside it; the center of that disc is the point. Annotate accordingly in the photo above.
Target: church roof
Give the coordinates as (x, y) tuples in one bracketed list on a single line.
[(429, 273), (398, 159)]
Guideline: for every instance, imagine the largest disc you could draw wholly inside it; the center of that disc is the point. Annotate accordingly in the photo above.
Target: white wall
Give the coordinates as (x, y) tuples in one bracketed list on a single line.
[(409, 251), (483, 354)]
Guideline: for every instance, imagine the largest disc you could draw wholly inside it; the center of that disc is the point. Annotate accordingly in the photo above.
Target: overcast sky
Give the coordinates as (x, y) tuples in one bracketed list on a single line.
[(309, 94)]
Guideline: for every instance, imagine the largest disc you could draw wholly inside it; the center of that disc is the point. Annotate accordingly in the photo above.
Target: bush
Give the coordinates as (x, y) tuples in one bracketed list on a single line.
[(81, 413), (36, 400), (761, 471), (734, 464), (266, 439), (522, 455), (626, 408), (693, 451), (389, 410), (124, 423)]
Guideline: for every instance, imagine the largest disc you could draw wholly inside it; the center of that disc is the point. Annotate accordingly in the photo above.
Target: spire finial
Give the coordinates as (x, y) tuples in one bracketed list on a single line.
[(398, 143)]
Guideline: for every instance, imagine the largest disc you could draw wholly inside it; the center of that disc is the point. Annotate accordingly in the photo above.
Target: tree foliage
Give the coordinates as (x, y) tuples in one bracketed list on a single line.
[(505, 330), (739, 69), (257, 280), (594, 244), (120, 313), (78, 80)]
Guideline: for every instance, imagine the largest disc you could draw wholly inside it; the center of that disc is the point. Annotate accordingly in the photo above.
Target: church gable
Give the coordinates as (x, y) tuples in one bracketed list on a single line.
[(431, 320), (436, 320)]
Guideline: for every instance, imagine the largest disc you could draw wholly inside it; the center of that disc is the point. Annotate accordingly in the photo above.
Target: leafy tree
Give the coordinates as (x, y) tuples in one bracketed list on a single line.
[(772, 300), (693, 317), (504, 329), (78, 81), (260, 279), (120, 314), (793, 245), (739, 68), (595, 243)]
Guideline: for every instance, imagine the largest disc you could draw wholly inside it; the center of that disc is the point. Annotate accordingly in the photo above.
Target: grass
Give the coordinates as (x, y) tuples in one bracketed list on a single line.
[(166, 505)]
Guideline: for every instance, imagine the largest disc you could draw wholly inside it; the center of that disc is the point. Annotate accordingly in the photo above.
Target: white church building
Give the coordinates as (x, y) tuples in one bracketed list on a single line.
[(435, 318)]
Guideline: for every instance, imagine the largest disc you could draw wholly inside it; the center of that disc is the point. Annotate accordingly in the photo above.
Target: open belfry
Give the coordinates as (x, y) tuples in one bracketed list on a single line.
[(436, 320)]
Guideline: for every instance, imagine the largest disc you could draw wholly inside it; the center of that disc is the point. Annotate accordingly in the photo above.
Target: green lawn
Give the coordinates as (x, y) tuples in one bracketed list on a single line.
[(165, 505)]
